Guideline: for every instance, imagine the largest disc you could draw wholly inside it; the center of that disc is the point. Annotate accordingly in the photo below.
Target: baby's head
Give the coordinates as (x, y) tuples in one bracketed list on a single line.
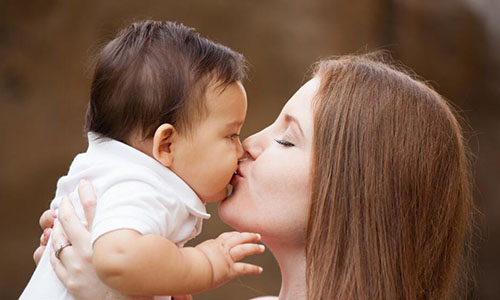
[(176, 96)]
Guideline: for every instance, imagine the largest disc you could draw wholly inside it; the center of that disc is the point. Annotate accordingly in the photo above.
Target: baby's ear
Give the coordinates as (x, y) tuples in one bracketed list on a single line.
[(164, 138)]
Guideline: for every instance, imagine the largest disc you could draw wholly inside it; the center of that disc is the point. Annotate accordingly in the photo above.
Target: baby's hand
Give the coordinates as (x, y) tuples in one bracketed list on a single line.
[(225, 252)]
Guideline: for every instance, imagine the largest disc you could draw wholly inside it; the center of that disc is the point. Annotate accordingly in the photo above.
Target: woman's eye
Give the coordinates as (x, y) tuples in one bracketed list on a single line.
[(284, 143)]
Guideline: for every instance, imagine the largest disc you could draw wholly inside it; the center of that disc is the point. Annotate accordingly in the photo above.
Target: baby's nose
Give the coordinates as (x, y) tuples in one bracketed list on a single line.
[(243, 158)]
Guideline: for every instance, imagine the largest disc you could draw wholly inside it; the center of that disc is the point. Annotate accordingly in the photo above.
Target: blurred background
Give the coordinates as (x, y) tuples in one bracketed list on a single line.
[(46, 47)]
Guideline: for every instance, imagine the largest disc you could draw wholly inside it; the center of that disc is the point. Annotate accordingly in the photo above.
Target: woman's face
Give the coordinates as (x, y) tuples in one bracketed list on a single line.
[(271, 192)]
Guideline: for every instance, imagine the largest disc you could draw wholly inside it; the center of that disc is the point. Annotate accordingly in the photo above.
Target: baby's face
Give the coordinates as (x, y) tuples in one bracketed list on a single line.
[(207, 157)]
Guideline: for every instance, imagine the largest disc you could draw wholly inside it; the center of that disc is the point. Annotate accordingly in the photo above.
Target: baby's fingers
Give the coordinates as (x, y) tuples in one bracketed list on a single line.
[(246, 269), (240, 251), (242, 238), (183, 297)]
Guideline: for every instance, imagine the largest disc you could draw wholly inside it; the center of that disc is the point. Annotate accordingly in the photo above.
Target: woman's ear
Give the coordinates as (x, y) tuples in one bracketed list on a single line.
[(163, 140)]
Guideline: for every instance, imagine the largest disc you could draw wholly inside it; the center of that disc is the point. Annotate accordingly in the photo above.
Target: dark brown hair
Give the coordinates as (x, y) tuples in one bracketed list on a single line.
[(153, 73), (391, 190)]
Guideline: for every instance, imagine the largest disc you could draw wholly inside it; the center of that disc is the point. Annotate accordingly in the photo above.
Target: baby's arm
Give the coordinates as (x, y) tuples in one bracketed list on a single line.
[(138, 264)]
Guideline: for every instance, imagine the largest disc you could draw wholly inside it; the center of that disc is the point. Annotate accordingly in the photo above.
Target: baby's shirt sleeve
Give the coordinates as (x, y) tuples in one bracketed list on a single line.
[(135, 205)]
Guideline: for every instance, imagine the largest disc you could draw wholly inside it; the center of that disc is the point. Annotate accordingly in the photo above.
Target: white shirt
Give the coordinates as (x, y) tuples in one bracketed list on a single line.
[(134, 191)]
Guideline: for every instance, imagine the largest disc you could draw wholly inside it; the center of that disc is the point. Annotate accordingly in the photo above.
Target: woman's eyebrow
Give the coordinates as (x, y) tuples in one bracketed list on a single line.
[(290, 118)]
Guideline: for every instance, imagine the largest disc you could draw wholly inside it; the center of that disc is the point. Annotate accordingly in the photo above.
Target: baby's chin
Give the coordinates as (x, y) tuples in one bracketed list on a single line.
[(216, 197)]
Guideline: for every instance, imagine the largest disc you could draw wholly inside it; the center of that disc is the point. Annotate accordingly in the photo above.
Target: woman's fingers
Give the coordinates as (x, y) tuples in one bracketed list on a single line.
[(47, 219), (58, 267), (59, 240), (71, 224), (88, 200), (38, 254), (238, 252), (246, 269), (44, 239)]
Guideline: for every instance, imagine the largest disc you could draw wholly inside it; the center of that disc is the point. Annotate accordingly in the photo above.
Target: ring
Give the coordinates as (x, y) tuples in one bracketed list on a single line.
[(60, 247)]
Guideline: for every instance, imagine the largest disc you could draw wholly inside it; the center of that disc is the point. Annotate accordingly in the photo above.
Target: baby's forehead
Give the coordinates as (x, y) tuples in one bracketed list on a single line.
[(217, 88), (226, 101), (231, 113)]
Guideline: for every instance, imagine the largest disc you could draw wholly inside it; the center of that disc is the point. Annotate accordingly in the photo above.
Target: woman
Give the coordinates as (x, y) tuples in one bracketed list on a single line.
[(360, 188)]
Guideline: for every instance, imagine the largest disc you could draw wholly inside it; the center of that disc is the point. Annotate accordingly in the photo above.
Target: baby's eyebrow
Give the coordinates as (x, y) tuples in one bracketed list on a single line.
[(235, 124)]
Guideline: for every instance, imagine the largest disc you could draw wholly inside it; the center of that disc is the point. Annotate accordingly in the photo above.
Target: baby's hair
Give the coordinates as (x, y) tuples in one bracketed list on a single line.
[(153, 73)]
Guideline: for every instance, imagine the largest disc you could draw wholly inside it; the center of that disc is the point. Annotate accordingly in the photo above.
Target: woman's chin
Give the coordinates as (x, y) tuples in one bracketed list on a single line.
[(229, 212), (235, 211)]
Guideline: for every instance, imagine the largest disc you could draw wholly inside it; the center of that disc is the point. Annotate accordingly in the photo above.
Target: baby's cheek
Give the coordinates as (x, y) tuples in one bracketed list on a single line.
[(230, 166), (220, 175)]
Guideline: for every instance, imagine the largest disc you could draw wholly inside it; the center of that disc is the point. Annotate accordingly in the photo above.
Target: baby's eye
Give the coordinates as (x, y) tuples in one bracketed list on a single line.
[(284, 143), (232, 136)]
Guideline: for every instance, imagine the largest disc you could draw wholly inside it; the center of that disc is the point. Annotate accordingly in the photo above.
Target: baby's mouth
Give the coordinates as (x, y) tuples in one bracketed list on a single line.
[(236, 175), (229, 189), (238, 172)]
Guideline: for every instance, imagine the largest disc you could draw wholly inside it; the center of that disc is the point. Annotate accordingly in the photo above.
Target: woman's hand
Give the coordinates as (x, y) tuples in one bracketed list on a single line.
[(74, 266), (46, 222)]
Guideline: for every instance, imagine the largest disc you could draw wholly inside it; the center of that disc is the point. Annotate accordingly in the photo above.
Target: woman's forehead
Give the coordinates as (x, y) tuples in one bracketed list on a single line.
[(300, 103)]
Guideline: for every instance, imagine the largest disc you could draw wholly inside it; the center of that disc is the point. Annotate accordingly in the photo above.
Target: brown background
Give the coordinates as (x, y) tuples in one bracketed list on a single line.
[(45, 47)]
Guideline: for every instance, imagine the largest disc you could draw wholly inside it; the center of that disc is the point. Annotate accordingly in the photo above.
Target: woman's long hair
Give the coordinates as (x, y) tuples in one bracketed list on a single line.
[(391, 190)]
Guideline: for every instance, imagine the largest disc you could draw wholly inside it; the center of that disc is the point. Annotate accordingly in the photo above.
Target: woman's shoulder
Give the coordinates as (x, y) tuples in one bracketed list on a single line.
[(265, 298)]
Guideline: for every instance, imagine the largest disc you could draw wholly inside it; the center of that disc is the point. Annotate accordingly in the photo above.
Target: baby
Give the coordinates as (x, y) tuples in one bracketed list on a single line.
[(163, 122)]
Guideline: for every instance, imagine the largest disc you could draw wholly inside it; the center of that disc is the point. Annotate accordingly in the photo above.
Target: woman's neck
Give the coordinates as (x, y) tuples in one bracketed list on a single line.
[(292, 261)]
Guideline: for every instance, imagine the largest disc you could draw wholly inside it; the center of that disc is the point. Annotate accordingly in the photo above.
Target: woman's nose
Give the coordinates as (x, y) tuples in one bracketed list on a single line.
[(254, 145)]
